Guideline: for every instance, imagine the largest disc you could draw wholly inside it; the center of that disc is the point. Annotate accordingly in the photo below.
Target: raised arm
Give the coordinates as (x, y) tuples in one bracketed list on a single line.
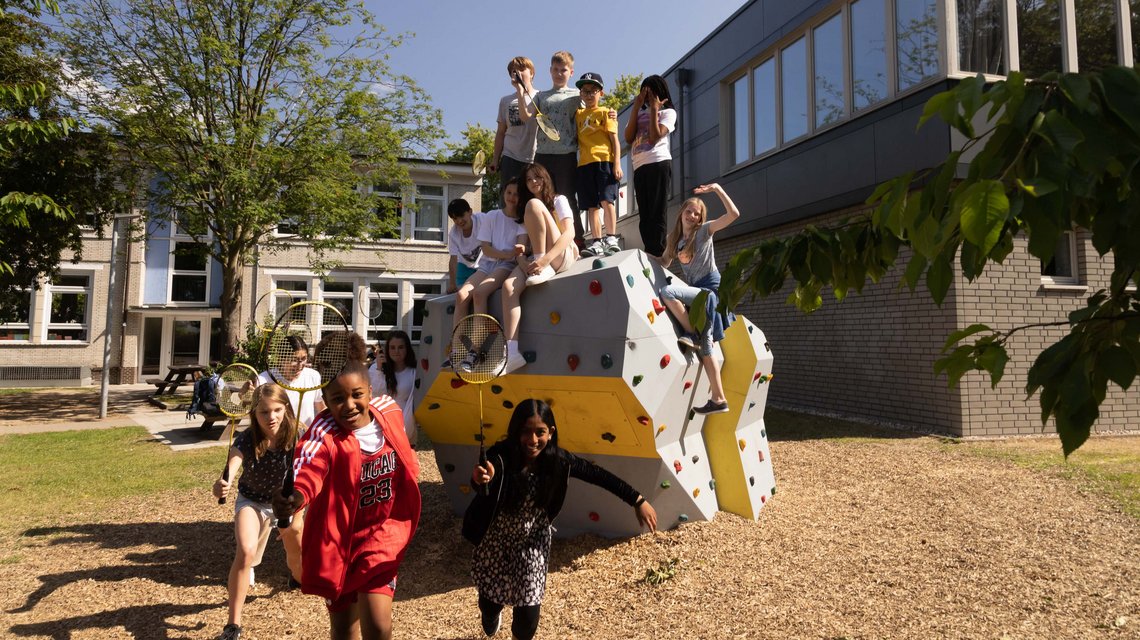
[(587, 471), (631, 124), (731, 213)]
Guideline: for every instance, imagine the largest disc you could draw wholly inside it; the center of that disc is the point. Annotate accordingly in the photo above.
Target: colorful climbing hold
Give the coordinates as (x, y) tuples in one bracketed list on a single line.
[(660, 429), (651, 316), (645, 272), (530, 356), (767, 347), (742, 444), (450, 309), (433, 406), (688, 385), (424, 363), (696, 492), (594, 517), (658, 307), (464, 489), (677, 466), (696, 459), (757, 376), (449, 467), (607, 361), (597, 264), (712, 484), (417, 383), (609, 437), (496, 389), (595, 287), (763, 499), (665, 484), (427, 339), (750, 328), (643, 419), (763, 433), (572, 360), (665, 360), (750, 405), (629, 281), (761, 455), (752, 481), (683, 518), (507, 404), (773, 489), (555, 317), (456, 383), (637, 380)]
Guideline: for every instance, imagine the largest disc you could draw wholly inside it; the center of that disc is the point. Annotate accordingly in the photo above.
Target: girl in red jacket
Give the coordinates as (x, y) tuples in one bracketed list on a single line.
[(357, 474)]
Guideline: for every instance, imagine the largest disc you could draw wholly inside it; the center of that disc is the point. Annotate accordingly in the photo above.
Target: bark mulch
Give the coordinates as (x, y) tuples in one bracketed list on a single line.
[(902, 537)]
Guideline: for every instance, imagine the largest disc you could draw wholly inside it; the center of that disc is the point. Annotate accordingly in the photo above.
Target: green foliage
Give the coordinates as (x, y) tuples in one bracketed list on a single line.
[(662, 572), (623, 91), (1051, 155), (251, 114), (477, 138), (251, 350)]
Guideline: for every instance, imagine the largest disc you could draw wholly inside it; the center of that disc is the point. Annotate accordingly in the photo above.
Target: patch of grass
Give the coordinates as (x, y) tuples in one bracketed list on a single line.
[(49, 476), (664, 571), (1109, 465), (792, 425)]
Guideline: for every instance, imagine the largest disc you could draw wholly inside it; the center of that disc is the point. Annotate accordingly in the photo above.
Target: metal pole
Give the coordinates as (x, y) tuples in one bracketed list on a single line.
[(106, 377)]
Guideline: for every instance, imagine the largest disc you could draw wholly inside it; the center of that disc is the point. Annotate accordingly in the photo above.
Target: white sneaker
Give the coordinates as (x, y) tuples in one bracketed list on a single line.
[(515, 361), (594, 249), (545, 274), (251, 582), (611, 245)]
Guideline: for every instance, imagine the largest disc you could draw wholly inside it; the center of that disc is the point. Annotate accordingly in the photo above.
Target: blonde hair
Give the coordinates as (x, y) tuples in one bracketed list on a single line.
[(679, 228), (287, 431), (518, 63), (563, 57)]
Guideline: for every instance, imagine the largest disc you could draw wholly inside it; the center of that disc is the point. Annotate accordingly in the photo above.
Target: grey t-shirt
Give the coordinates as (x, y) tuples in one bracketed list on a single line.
[(520, 141), (559, 105), (703, 262)]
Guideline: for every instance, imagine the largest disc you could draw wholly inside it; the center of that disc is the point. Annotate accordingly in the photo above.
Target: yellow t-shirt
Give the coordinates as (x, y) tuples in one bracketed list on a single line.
[(594, 129)]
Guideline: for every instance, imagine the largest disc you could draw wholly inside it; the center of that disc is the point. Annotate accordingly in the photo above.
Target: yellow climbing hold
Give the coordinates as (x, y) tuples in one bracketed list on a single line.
[(660, 429), (652, 317), (743, 444), (555, 317), (696, 492), (465, 489)]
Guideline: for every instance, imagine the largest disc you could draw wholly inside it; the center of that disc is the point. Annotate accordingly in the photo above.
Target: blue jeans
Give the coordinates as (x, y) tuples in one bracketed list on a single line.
[(685, 294)]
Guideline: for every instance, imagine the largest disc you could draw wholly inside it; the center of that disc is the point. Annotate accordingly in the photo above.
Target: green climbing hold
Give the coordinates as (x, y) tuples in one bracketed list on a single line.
[(427, 339), (629, 280), (773, 490), (597, 264), (645, 271), (496, 389), (712, 484), (607, 361), (530, 356), (692, 413), (637, 380), (683, 518), (665, 484)]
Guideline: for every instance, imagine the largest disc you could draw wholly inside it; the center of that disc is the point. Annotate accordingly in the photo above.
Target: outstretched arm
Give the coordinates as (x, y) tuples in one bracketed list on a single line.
[(731, 213)]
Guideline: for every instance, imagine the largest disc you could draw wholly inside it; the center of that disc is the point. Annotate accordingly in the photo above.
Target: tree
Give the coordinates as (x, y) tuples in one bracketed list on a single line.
[(477, 138), (623, 92), (252, 114), (54, 177), (1054, 154)]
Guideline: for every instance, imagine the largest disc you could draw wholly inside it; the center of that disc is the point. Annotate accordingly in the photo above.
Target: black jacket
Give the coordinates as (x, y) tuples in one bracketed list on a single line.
[(482, 509)]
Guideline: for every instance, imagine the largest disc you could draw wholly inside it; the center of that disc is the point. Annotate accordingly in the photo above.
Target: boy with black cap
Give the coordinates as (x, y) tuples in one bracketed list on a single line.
[(599, 165)]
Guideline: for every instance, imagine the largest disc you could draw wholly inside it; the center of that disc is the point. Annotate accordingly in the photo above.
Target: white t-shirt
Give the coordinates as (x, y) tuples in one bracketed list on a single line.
[(307, 378), (501, 231), (645, 152), (522, 137), (466, 249), (405, 394), (561, 209)]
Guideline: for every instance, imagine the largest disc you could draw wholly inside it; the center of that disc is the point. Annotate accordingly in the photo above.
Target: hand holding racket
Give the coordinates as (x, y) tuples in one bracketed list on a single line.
[(478, 338), (544, 122), (234, 395)]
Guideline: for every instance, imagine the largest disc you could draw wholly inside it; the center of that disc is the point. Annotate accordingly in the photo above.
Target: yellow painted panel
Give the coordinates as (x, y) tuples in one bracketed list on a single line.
[(720, 429)]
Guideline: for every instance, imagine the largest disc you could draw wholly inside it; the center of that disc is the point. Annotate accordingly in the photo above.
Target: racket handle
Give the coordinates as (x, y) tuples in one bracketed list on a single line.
[(485, 488), (287, 491), (226, 477)]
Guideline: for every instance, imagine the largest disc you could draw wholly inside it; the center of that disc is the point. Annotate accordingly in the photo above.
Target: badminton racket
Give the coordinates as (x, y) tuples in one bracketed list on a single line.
[(479, 162), (544, 122), (292, 334), (269, 306), (234, 395), (478, 338)]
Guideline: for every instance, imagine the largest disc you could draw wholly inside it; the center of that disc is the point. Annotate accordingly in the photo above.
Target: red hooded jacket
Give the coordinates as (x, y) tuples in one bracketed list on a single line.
[(327, 470)]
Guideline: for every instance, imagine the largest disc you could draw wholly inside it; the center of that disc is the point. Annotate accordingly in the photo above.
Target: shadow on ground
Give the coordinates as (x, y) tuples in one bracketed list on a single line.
[(791, 426), (70, 405)]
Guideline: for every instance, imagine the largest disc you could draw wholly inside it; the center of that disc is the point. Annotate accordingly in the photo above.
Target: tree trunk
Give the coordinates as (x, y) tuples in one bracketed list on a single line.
[(232, 281)]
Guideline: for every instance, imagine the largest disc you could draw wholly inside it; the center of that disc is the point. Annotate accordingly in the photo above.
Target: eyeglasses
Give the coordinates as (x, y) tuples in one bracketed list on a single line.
[(589, 92)]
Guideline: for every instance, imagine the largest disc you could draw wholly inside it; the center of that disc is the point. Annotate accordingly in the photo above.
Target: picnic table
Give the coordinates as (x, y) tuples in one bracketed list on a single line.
[(177, 376)]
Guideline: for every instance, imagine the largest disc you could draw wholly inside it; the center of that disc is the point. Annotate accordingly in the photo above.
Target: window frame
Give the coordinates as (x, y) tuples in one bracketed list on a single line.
[(173, 272), (1070, 280), (20, 327), (50, 289), (415, 213)]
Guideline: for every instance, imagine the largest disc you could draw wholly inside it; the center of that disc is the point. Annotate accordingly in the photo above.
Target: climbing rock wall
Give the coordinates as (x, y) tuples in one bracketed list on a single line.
[(602, 350)]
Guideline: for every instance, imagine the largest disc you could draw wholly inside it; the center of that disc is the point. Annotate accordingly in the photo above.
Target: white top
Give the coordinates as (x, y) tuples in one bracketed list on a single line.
[(405, 394), (501, 231), (371, 438), (561, 209), (522, 137), (645, 152), (466, 249), (307, 378)]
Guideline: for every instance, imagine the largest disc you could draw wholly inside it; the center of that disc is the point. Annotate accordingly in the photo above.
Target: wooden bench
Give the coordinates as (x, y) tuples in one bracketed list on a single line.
[(177, 376)]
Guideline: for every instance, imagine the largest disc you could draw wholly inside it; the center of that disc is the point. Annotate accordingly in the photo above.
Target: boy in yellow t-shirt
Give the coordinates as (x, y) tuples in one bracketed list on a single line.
[(599, 165)]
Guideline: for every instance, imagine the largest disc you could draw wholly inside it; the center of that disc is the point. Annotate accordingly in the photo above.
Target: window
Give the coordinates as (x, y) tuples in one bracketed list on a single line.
[(793, 84), (341, 296), (383, 319), (421, 293), (69, 312), (1062, 269), (428, 216), (916, 36), (18, 325), (189, 281), (740, 120), (287, 227), (298, 292), (1096, 34), (1039, 36), (868, 53), (981, 36), (830, 92), (389, 209), (764, 105)]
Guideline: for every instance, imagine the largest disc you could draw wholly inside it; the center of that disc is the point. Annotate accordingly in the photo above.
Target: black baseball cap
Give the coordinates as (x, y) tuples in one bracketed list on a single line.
[(590, 78)]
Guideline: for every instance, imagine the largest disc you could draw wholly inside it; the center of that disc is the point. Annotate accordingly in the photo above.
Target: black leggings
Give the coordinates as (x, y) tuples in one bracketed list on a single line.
[(524, 624)]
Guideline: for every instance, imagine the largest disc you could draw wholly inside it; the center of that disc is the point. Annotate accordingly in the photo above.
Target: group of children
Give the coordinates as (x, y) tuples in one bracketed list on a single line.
[(355, 479)]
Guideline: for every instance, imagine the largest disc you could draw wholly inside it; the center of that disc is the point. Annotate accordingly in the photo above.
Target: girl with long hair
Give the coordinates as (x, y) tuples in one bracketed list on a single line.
[(647, 132), (397, 377), (528, 474)]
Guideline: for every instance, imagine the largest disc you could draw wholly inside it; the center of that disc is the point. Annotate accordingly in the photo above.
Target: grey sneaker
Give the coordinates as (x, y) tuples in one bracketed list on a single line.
[(230, 632), (712, 407), (594, 249), (611, 245), (468, 364), (688, 340)]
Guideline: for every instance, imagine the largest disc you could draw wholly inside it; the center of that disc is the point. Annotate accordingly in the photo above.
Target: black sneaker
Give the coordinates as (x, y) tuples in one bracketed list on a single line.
[(293, 584), (491, 625), (712, 407), (230, 632), (688, 340)]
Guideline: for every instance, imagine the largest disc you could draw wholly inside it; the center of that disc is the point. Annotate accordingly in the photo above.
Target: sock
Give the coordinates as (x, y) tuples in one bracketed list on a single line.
[(536, 257), (512, 348)]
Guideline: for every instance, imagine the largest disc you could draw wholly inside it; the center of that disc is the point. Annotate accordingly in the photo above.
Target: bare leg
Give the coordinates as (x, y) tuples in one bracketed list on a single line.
[(291, 540), (375, 616), (712, 370), (512, 303), (611, 217), (596, 223), (463, 297), (247, 528), (538, 222), (677, 308), (344, 625), (487, 287)]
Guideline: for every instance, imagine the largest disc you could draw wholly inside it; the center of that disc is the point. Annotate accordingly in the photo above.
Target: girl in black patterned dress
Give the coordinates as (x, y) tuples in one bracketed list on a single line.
[(527, 474)]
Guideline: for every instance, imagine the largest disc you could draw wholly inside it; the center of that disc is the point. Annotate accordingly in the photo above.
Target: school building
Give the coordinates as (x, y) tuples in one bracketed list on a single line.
[(801, 107), (164, 306)]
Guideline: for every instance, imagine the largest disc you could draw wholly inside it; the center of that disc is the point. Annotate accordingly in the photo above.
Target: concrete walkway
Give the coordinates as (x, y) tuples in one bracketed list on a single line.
[(127, 405)]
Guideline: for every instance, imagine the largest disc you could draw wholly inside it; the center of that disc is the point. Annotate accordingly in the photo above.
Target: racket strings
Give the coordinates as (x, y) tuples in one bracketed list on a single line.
[(282, 355), (479, 343), (234, 394)]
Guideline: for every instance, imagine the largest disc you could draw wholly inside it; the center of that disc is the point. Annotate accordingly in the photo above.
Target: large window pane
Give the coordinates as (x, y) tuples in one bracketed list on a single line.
[(764, 106), (187, 288), (1039, 36), (793, 82), (1096, 34), (186, 343), (868, 52), (827, 44), (981, 36), (740, 120), (70, 311), (16, 324), (916, 32), (151, 346)]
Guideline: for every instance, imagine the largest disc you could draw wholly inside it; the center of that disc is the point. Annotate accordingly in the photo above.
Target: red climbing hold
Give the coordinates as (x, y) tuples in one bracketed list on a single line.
[(456, 383), (665, 360), (658, 307), (688, 385), (595, 287), (757, 376), (643, 419), (572, 360), (424, 364), (677, 465), (594, 517)]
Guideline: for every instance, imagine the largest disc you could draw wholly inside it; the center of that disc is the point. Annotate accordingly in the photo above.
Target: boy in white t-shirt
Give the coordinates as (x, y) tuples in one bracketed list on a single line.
[(462, 243), (516, 135)]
